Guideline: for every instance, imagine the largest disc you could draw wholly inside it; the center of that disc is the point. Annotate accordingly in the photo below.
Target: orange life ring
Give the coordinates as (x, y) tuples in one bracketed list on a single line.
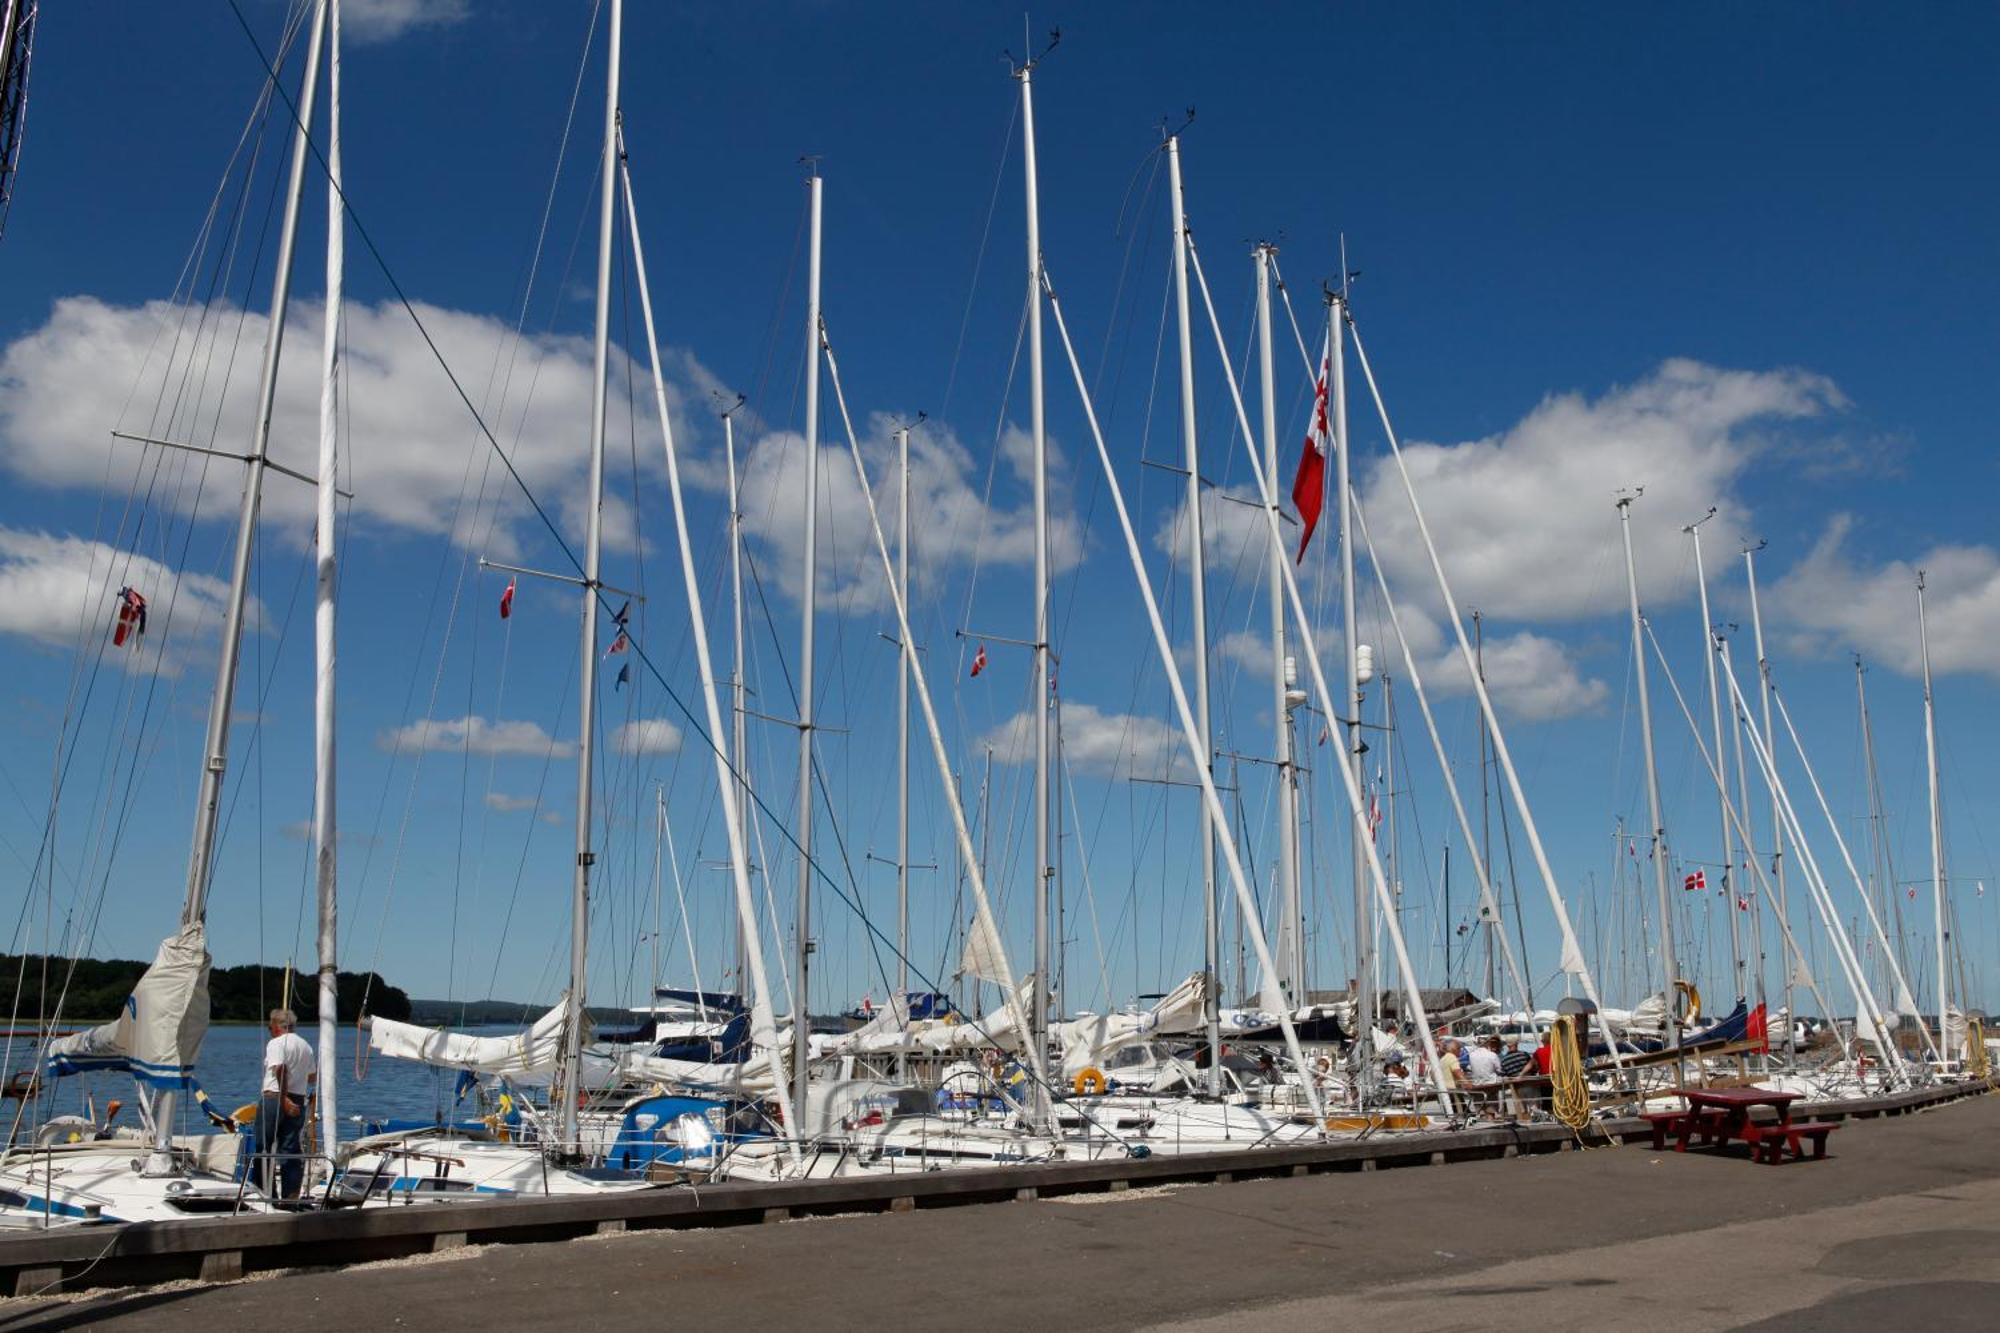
[(1089, 1082)]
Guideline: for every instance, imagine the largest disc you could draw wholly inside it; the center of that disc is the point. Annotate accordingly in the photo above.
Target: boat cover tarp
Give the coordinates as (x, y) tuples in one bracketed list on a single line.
[(720, 1001), (534, 1051), (1091, 1040), (158, 1035), (752, 1077), (1740, 1024), (889, 1031)]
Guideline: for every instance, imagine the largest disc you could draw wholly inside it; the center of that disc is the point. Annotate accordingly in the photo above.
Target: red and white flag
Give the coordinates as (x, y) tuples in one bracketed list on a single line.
[(621, 644), (507, 601), (1742, 904), (1696, 882), (131, 622), (979, 660), (1309, 483)]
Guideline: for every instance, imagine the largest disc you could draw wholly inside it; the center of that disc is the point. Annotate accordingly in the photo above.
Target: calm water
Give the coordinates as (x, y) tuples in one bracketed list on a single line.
[(229, 1074)]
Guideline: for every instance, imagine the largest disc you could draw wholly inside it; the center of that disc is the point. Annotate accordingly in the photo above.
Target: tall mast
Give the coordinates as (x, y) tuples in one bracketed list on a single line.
[(1038, 1005), (763, 1023), (1669, 967), (1882, 865), (739, 703), (1364, 937), (1291, 922), (659, 855), (215, 748), (1728, 844), (1197, 570), (1777, 813), (1391, 861), (1937, 827), (1489, 916), (325, 834), (1742, 827), (208, 801), (802, 925), (579, 923), (904, 649)]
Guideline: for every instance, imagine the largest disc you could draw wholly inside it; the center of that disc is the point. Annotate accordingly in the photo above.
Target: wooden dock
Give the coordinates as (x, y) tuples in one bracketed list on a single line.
[(224, 1248)]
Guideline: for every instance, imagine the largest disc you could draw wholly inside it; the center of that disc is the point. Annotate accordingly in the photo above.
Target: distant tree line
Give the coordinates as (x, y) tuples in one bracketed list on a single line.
[(97, 989)]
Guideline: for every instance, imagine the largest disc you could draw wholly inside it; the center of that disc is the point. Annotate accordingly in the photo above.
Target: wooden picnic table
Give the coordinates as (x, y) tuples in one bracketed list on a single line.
[(1721, 1114)]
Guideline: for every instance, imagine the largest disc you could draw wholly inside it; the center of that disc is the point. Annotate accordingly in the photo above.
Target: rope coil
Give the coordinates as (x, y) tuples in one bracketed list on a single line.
[(1569, 1099)]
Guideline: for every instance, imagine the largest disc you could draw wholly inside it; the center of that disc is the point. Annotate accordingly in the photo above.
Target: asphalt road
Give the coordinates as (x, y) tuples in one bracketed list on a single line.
[(1898, 1228)]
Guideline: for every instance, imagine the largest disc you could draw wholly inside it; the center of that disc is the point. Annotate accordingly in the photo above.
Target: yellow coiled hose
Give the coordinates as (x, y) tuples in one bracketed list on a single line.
[(1570, 1097)]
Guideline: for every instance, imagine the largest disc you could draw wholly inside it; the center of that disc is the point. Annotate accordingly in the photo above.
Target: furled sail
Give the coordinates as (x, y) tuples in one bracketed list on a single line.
[(535, 1051), (158, 1035)]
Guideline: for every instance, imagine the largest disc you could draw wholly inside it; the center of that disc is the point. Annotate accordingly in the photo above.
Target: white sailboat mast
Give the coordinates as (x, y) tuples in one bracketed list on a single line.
[(1038, 1003), (729, 785), (739, 688), (579, 926), (1728, 846), (809, 596), (1937, 825), (899, 1003), (1777, 815), (1364, 934), (1669, 965), (325, 827), (215, 749), (1720, 646), (1198, 599), (1284, 697)]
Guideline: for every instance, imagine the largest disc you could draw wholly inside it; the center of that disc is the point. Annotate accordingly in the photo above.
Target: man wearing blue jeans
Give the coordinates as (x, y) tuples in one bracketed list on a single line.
[(290, 1073)]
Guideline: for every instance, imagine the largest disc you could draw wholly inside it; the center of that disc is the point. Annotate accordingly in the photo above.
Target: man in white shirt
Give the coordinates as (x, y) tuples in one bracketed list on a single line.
[(1486, 1061), (290, 1073)]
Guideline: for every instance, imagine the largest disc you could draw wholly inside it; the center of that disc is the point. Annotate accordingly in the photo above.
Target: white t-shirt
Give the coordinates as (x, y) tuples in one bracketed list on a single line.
[(1485, 1065), (292, 1051)]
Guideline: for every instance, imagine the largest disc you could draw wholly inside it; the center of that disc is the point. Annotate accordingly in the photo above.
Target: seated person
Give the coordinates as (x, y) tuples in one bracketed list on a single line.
[(1484, 1061)]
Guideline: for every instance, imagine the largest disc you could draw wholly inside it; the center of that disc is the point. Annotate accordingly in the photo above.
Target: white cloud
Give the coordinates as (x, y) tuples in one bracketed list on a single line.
[(1525, 519), (414, 458), (1834, 602), (1236, 537), (1532, 677), (647, 735), (386, 20), (61, 590), (954, 522), (510, 804), (474, 735), (1097, 743)]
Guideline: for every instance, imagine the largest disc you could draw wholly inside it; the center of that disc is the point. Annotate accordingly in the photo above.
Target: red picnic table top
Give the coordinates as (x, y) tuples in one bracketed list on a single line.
[(1739, 1099)]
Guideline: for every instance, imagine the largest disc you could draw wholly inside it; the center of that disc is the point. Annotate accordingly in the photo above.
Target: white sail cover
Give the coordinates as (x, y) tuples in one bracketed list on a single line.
[(1090, 1040), (158, 1036), (749, 1078), (886, 1032), (520, 1054), (1954, 1034)]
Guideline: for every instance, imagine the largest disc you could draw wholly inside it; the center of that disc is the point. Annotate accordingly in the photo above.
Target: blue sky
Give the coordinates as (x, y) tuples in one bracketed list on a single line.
[(1742, 258)]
